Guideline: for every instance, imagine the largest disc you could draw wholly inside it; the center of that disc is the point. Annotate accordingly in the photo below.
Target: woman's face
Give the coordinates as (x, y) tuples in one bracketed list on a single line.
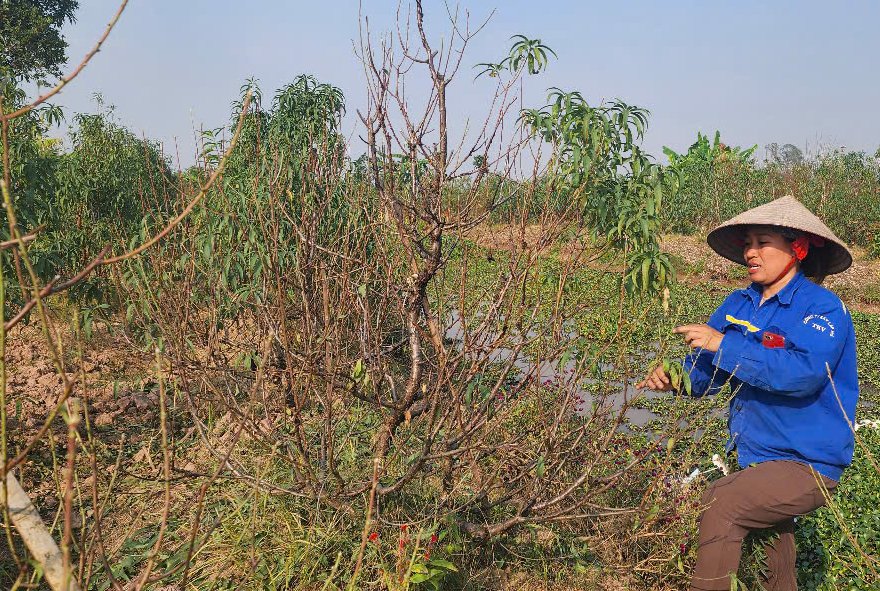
[(766, 253)]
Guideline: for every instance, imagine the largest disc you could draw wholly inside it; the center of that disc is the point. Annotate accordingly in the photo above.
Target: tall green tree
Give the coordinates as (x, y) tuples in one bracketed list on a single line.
[(31, 45)]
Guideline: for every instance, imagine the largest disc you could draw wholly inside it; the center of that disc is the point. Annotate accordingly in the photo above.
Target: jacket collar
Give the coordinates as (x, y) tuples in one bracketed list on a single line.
[(784, 295)]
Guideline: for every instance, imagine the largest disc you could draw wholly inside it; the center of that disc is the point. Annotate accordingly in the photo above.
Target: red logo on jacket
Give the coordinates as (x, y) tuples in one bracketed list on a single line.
[(773, 341)]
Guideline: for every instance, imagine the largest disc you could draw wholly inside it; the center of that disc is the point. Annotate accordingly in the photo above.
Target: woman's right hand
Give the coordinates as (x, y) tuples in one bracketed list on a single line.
[(656, 380)]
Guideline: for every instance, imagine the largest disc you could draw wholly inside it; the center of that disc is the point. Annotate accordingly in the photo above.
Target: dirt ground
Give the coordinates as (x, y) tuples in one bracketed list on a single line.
[(110, 367)]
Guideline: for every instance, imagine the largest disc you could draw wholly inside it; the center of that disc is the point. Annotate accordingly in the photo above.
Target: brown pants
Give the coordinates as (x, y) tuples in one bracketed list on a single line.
[(769, 494)]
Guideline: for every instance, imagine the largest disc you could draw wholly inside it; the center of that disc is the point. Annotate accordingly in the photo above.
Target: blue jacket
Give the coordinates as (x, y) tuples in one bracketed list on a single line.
[(774, 356)]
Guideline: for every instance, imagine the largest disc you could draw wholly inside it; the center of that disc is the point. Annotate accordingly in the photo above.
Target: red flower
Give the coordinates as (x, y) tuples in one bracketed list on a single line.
[(430, 545), (374, 537)]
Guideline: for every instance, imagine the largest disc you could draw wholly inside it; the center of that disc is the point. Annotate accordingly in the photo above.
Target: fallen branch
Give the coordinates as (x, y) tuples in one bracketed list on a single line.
[(36, 536)]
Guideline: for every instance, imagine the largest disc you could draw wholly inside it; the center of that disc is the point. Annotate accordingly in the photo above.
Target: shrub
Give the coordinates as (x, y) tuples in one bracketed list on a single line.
[(843, 188), (838, 545), (110, 185)]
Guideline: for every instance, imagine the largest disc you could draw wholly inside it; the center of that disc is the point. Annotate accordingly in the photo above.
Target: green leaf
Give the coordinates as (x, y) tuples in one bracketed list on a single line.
[(468, 393), (563, 360), (37, 567), (675, 374), (686, 378), (443, 564)]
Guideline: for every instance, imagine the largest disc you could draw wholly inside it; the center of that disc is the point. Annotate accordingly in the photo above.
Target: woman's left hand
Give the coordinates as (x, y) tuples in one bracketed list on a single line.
[(700, 336)]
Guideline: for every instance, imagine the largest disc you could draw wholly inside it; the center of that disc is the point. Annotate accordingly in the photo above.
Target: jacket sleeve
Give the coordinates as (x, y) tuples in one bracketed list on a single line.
[(799, 369), (706, 378)]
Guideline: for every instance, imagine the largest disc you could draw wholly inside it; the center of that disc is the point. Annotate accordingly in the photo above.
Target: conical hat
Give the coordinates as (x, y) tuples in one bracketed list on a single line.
[(787, 212)]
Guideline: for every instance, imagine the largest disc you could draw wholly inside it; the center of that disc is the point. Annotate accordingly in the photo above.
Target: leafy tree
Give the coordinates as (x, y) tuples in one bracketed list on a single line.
[(286, 160), (706, 169), (787, 155), (300, 129), (31, 45), (32, 158), (790, 154)]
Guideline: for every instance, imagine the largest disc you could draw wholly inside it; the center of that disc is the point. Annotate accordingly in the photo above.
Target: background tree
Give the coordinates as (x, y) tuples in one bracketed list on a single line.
[(31, 45), (787, 154)]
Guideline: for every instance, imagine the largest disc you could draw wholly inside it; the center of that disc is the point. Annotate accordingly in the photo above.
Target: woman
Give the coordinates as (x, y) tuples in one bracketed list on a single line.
[(777, 343)]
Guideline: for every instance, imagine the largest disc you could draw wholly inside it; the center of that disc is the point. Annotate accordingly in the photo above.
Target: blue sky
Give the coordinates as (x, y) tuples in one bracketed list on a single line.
[(782, 71)]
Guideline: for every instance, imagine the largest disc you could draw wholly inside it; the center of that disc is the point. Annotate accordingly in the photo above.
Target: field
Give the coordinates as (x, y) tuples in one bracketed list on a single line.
[(287, 367)]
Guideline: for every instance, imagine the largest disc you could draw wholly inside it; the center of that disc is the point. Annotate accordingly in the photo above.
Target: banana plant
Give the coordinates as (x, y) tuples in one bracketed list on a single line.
[(704, 152)]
